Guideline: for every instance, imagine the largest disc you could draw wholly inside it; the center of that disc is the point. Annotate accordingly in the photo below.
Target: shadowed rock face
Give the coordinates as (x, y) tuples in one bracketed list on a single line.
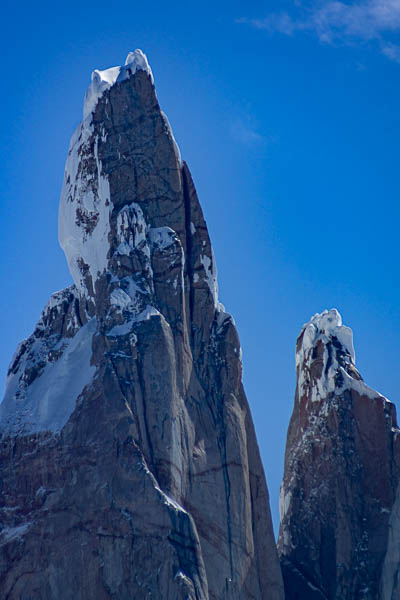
[(339, 512), (129, 463)]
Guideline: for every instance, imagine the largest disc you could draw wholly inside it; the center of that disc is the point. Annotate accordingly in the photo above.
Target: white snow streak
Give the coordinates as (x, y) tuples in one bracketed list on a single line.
[(48, 402)]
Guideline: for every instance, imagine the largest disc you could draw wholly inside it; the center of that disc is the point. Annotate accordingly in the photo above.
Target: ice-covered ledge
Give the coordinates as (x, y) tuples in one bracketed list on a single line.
[(103, 80)]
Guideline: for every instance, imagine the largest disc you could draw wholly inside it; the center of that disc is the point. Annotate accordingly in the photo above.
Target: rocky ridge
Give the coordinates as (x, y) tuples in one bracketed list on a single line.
[(129, 463)]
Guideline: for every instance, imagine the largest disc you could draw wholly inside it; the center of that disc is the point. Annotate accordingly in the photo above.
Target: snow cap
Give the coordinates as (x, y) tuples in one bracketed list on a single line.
[(328, 345), (103, 80), (325, 326)]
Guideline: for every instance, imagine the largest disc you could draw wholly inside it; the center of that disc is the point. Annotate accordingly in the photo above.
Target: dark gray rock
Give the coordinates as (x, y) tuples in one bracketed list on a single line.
[(129, 462)]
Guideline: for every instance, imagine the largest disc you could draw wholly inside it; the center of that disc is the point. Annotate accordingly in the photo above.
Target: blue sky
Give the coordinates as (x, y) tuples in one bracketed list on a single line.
[(288, 116)]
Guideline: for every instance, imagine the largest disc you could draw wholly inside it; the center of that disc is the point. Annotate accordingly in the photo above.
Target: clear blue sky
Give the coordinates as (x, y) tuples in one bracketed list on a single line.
[(289, 118)]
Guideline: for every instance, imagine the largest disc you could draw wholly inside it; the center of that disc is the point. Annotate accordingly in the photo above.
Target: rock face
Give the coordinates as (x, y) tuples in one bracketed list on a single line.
[(129, 464), (340, 521)]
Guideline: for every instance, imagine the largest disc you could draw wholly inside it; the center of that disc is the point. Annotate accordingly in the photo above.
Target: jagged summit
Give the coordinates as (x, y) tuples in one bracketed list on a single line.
[(325, 358), (103, 80)]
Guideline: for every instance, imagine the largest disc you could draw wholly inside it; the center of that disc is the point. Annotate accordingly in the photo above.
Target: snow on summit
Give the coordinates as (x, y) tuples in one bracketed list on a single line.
[(85, 205), (103, 80), (328, 324), (325, 340)]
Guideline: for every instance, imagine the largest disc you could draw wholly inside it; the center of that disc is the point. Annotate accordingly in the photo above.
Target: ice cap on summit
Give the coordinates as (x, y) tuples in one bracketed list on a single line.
[(103, 80), (327, 324)]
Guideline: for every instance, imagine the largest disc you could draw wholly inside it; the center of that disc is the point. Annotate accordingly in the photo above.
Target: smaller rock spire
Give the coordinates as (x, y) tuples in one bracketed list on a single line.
[(341, 472)]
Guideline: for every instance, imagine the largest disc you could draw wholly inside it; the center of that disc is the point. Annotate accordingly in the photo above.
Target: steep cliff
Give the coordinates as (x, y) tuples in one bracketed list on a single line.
[(129, 463), (339, 529)]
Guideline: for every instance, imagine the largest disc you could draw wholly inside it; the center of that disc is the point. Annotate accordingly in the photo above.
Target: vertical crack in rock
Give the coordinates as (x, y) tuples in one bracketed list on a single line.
[(129, 463), (190, 230), (339, 503)]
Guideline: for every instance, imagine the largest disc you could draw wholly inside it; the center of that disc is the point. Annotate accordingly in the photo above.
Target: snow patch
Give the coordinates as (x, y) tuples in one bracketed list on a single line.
[(120, 299), (210, 275), (172, 503), (124, 249), (147, 313), (360, 387), (85, 207), (284, 502), (122, 329), (125, 328), (48, 402), (162, 237), (167, 500), (180, 576), (11, 533), (56, 299), (132, 229)]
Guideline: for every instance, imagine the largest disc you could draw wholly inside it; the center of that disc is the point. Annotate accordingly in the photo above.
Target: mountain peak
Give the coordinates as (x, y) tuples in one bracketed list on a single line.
[(103, 80), (127, 439), (326, 325), (325, 359), (113, 152)]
